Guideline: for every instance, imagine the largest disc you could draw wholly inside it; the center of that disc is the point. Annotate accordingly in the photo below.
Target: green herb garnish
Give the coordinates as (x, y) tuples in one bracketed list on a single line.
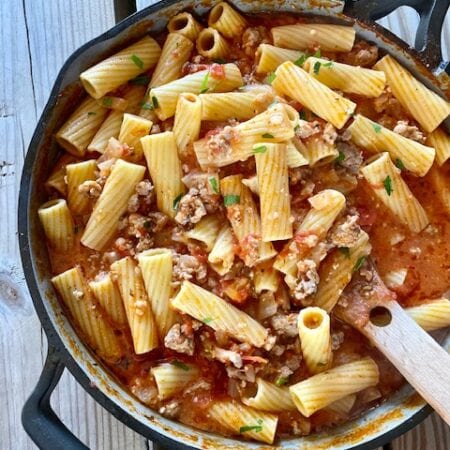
[(271, 77), (204, 86), (155, 102), (387, 183), (359, 263), (260, 149), (300, 61), (207, 320), (340, 158), (107, 101), (376, 127), (328, 64), (230, 200), (345, 251), (91, 113), (138, 61), (257, 428), (176, 201), (141, 80), (399, 163), (214, 185), (302, 115), (318, 54), (147, 106), (268, 136), (317, 65), (179, 364), (281, 381)]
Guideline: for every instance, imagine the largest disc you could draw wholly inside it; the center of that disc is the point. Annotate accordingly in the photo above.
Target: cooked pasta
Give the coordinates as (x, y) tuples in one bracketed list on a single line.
[(184, 24), (270, 57), (270, 397), (440, 141), (211, 44), (186, 128), (431, 315), (221, 257), (77, 174), (227, 20), (171, 378)]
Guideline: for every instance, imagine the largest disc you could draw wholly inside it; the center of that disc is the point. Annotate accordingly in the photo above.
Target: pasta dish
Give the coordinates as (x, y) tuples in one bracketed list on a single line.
[(220, 190)]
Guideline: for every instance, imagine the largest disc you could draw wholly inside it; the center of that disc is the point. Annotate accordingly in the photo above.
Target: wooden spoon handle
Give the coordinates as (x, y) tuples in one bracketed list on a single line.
[(419, 358)]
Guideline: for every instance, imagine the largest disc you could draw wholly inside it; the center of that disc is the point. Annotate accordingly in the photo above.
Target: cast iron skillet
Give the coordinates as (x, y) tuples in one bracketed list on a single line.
[(64, 347)]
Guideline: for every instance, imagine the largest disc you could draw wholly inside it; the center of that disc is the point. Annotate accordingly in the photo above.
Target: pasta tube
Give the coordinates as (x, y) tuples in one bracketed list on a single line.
[(156, 269), (275, 201), (441, 185), (72, 288), (211, 44), (221, 257), (295, 157), (294, 82), (315, 338), (219, 314), (270, 397), (205, 231), (321, 390), (385, 180), (371, 136), (337, 271), (266, 277), (161, 153), (245, 221), (186, 128), (111, 204), (184, 24), (431, 315), (134, 128), (114, 71), (328, 37), (317, 151), (137, 307), (58, 224), (226, 20), (79, 129), (77, 174), (164, 98), (427, 107), (57, 178), (243, 420), (269, 57), (347, 78), (342, 406), (171, 378), (276, 124), (440, 141)]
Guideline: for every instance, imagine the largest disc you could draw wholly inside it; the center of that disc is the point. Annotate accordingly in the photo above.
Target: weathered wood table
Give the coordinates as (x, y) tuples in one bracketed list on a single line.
[(36, 38)]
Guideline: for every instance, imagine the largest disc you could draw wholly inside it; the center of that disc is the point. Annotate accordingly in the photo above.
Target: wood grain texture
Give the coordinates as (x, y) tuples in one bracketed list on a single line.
[(37, 37)]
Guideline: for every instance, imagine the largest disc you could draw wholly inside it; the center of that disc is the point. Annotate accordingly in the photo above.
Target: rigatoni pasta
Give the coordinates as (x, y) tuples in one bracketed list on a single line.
[(270, 57), (186, 127), (227, 20), (432, 314), (77, 174), (171, 378), (185, 24), (211, 44), (270, 397)]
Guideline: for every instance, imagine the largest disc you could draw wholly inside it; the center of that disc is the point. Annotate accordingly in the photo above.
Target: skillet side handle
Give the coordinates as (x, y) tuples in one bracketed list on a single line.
[(428, 36), (123, 9), (38, 418)]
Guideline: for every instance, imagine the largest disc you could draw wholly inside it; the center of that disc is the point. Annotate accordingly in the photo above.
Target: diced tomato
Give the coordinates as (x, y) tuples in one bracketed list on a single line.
[(217, 71)]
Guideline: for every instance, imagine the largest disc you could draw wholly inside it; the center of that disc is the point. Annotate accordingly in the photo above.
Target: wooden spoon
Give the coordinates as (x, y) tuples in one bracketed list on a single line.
[(369, 306)]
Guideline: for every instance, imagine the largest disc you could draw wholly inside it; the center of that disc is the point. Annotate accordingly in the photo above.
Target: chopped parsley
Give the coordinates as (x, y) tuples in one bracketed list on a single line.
[(345, 251), (207, 320), (359, 263), (271, 77), (302, 115), (155, 102), (179, 364), (147, 106), (204, 86), (257, 428), (230, 200), (141, 80), (340, 158), (219, 61), (300, 61), (399, 164), (176, 201), (317, 65), (387, 183), (214, 185), (107, 101), (138, 61), (318, 53), (281, 381), (376, 127), (260, 149), (328, 64), (268, 136), (91, 113)]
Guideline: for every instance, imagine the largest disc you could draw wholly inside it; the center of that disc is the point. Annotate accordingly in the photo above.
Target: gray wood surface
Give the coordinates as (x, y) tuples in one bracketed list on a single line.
[(36, 38)]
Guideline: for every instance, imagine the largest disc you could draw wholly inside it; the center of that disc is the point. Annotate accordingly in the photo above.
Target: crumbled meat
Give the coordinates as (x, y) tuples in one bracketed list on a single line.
[(308, 129), (249, 248), (267, 305), (90, 188), (409, 131), (301, 427), (206, 189), (329, 134), (199, 385), (187, 267), (227, 357), (180, 339), (144, 391), (387, 102), (252, 37), (124, 246), (336, 340), (352, 158), (307, 281), (198, 63), (191, 208), (219, 144), (142, 198), (345, 232), (291, 364), (285, 325), (247, 373), (172, 409), (362, 54)]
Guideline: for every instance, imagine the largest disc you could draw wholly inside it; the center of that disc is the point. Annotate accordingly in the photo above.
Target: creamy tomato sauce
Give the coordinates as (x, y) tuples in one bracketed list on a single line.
[(425, 256)]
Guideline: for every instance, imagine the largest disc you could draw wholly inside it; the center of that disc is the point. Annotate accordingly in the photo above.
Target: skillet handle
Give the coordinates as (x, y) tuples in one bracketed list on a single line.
[(38, 418), (428, 36)]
